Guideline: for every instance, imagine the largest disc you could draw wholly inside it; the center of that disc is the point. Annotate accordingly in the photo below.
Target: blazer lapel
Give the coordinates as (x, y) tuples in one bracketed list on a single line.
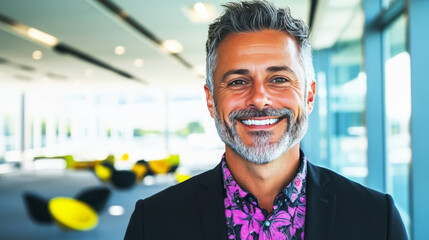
[(320, 207), (210, 201)]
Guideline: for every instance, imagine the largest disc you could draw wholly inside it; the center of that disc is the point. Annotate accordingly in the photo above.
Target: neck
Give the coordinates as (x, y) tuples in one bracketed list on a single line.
[(264, 181)]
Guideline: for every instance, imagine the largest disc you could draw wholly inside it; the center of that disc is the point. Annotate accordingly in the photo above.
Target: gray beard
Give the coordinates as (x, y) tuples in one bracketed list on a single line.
[(262, 151)]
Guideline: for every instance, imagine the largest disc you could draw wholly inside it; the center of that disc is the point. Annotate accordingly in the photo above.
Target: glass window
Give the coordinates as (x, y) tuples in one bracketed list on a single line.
[(347, 91), (342, 95), (398, 114), (10, 119), (388, 3), (145, 124)]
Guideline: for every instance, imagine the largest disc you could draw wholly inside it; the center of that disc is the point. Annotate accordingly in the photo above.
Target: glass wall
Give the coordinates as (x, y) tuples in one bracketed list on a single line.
[(10, 127), (341, 103), (347, 89), (342, 96), (145, 124), (398, 114)]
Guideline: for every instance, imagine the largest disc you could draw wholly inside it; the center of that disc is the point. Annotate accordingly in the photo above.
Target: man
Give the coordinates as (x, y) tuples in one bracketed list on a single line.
[(260, 89)]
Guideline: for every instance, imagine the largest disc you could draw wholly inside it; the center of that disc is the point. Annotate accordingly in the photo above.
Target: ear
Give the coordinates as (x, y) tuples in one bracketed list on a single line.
[(311, 96), (209, 100)]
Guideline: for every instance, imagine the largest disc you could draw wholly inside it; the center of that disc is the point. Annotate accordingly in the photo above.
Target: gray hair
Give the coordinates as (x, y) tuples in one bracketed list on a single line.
[(253, 16)]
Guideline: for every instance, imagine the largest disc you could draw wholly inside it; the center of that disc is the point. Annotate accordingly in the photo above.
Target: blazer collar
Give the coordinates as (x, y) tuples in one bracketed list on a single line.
[(320, 207), (210, 203)]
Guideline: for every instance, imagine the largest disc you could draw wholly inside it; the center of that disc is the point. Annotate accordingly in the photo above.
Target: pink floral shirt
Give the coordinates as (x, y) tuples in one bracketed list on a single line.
[(247, 221)]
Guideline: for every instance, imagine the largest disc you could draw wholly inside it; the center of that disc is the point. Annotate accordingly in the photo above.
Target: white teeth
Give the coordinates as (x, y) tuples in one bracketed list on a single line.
[(260, 122)]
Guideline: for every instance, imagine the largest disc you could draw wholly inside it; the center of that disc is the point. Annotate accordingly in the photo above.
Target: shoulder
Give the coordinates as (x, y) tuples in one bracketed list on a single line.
[(356, 207), (340, 185), (352, 200)]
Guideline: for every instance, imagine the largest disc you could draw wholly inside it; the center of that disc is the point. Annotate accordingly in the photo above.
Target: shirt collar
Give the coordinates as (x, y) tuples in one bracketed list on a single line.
[(291, 191)]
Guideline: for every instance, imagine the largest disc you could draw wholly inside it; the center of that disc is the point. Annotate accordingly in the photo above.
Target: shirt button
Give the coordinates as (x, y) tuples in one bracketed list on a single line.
[(267, 223)]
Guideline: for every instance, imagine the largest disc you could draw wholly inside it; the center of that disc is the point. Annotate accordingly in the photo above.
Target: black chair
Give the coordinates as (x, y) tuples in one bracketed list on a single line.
[(96, 197), (108, 165), (123, 179), (37, 208)]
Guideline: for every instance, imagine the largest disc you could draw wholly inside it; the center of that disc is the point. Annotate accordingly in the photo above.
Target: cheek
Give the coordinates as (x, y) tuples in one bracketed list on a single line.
[(227, 103), (291, 99)]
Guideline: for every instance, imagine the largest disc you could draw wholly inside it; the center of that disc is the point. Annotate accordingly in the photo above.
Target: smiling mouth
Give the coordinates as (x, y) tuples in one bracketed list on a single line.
[(260, 122)]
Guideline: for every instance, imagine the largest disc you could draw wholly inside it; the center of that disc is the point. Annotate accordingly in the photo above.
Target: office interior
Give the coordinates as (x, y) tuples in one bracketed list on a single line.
[(92, 88)]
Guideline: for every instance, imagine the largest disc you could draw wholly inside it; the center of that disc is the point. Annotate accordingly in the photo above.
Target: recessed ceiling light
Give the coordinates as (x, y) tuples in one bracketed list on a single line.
[(173, 46), (119, 50), (200, 70), (201, 9), (116, 210), (201, 12), (37, 55), (88, 73), (138, 62)]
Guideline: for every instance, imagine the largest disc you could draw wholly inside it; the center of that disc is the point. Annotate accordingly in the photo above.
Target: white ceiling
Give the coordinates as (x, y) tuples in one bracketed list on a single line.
[(89, 27)]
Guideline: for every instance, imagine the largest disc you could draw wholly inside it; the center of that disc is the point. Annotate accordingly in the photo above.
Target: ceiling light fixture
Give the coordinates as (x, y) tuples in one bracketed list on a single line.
[(172, 46), (201, 12), (200, 70), (35, 35), (119, 50), (137, 26), (37, 55), (138, 62), (88, 73), (42, 37)]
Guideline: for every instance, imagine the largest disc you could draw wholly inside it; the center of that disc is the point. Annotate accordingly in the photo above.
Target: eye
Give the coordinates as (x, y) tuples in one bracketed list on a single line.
[(280, 80), (237, 82)]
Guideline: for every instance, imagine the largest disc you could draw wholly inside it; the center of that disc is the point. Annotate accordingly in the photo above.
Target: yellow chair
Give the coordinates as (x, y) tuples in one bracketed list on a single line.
[(103, 172), (79, 213), (140, 170), (159, 166), (181, 177), (73, 214), (144, 168)]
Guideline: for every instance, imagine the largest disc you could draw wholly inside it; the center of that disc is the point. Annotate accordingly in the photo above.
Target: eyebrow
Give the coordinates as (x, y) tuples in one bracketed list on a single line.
[(246, 72), (235, 71), (279, 69)]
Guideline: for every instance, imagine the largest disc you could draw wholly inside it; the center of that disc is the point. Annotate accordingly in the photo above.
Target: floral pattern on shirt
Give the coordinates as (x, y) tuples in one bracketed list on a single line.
[(246, 220)]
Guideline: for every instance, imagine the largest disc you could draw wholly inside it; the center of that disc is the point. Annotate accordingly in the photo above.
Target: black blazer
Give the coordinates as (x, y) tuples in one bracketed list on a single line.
[(337, 208)]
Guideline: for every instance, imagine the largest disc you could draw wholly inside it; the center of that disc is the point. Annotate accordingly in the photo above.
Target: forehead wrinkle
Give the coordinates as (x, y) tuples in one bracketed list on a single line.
[(258, 48)]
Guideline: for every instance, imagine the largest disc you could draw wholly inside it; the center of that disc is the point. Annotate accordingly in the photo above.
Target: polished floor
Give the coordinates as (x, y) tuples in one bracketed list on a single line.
[(15, 224)]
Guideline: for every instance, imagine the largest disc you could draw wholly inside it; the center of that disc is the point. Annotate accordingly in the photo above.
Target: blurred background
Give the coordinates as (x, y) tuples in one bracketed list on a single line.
[(109, 93)]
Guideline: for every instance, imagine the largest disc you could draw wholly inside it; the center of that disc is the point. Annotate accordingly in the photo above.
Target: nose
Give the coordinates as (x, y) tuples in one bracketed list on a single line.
[(259, 96)]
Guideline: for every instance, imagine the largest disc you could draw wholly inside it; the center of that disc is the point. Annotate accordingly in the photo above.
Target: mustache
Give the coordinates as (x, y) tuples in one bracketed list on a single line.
[(252, 112)]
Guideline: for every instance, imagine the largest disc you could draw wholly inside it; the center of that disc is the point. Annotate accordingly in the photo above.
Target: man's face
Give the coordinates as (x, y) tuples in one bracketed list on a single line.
[(259, 90)]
